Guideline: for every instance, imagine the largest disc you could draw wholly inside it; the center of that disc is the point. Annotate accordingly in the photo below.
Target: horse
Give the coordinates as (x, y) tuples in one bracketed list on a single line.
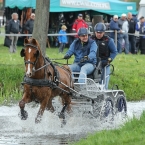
[(43, 81)]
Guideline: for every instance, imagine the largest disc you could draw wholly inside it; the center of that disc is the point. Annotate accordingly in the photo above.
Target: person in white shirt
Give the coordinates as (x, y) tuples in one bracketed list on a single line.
[(124, 27)]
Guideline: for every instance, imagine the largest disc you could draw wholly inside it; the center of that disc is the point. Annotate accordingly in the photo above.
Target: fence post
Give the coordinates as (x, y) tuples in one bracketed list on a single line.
[(116, 38)]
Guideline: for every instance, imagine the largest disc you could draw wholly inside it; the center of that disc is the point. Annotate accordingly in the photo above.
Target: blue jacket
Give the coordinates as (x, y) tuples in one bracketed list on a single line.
[(79, 50), (114, 26), (62, 38), (112, 48), (141, 28)]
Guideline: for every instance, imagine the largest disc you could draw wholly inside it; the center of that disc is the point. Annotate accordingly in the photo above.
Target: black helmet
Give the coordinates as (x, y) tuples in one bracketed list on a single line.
[(100, 27), (83, 31)]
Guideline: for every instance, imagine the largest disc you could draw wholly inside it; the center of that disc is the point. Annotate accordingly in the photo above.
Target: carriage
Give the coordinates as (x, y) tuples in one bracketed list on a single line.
[(92, 98), (44, 80)]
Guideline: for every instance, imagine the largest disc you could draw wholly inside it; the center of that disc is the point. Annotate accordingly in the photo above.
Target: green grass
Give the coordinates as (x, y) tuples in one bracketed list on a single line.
[(129, 75), (131, 133)]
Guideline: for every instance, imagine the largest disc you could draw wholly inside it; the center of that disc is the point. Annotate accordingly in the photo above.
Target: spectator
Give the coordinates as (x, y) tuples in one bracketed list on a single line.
[(106, 51), (62, 38), (84, 50), (89, 23), (30, 24), (114, 26), (69, 24), (132, 38), (79, 23), (124, 26), (14, 27), (140, 26)]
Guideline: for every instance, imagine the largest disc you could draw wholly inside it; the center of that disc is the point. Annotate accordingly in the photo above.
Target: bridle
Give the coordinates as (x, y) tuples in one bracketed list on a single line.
[(29, 62), (34, 63)]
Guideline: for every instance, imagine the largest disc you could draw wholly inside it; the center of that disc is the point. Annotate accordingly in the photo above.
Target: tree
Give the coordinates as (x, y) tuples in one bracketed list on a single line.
[(41, 23)]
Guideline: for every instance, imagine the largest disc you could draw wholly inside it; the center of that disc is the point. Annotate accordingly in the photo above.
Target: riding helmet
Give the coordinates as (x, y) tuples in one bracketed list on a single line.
[(100, 27), (83, 31)]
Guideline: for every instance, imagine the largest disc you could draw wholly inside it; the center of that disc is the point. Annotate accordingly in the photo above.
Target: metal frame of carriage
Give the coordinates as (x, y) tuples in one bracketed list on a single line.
[(94, 99)]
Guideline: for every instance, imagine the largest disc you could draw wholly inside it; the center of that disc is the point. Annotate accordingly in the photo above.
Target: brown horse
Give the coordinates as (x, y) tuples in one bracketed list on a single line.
[(43, 81)]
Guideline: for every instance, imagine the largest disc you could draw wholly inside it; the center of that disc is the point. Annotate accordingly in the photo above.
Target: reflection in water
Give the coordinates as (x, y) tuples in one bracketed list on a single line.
[(14, 131)]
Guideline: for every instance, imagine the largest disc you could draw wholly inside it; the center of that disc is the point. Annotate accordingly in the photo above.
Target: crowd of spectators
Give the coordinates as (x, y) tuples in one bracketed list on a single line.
[(126, 26)]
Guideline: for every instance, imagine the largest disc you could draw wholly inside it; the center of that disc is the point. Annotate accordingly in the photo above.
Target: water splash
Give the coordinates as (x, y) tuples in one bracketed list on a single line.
[(16, 131)]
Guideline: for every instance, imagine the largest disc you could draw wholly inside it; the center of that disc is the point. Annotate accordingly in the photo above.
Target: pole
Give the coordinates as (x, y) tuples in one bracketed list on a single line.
[(116, 38)]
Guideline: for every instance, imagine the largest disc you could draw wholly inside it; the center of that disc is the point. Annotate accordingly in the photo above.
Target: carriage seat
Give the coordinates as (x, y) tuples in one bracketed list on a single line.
[(96, 74)]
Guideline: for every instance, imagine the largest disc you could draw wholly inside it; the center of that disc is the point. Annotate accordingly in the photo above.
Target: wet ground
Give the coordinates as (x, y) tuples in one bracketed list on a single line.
[(14, 131)]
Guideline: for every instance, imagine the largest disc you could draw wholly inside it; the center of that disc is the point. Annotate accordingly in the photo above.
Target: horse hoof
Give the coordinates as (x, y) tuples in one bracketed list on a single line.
[(37, 120), (23, 115), (61, 116), (63, 122)]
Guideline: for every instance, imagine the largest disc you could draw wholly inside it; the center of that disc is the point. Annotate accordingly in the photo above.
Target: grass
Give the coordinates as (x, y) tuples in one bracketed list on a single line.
[(132, 133), (129, 75)]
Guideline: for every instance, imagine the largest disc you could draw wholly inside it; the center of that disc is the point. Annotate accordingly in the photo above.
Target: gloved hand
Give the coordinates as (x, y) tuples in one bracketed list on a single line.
[(85, 58), (104, 63), (109, 60), (66, 56)]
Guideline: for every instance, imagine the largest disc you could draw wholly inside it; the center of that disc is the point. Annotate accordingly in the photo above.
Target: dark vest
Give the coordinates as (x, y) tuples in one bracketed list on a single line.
[(103, 50)]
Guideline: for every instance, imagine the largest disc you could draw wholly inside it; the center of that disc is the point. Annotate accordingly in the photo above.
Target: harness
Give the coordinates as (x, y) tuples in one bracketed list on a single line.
[(42, 82), (38, 82)]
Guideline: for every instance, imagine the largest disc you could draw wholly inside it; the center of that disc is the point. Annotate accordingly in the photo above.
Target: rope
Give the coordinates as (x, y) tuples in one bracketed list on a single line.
[(72, 34)]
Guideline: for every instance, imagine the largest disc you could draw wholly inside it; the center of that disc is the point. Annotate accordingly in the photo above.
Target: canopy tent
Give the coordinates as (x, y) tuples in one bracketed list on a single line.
[(110, 7), (141, 11)]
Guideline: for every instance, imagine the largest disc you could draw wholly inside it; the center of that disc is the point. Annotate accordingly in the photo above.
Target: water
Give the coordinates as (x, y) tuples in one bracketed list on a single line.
[(14, 131)]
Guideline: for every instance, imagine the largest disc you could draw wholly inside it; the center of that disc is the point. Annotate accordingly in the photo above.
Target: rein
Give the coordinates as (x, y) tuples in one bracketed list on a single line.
[(42, 67), (56, 62)]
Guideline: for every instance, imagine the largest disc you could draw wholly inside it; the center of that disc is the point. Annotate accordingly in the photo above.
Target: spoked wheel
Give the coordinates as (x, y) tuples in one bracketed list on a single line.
[(97, 106), (107, 111), (96, 109), (121, 105)]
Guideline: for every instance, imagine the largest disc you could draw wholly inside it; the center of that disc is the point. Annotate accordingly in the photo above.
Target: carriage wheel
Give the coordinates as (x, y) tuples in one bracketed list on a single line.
[(121, 104), (107, 110), (97, 105)]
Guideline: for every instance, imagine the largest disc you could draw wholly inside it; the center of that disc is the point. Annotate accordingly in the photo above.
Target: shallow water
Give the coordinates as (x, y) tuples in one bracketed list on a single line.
[(14, 131)]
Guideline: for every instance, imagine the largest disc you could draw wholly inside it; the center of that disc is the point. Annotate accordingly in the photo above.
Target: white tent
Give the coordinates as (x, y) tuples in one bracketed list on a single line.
[(141, 11)]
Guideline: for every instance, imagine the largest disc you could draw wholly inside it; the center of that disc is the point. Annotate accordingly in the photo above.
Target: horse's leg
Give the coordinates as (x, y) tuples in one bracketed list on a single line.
[(66, 105), (26, 99), (50, 106), (43, 105)]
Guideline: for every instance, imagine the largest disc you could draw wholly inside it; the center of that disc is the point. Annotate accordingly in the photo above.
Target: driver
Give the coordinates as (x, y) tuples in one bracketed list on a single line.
[(84, 49), (107, 50)]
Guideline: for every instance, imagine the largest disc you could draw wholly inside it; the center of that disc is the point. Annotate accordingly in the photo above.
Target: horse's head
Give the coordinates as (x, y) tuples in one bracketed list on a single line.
[(30, 52)]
